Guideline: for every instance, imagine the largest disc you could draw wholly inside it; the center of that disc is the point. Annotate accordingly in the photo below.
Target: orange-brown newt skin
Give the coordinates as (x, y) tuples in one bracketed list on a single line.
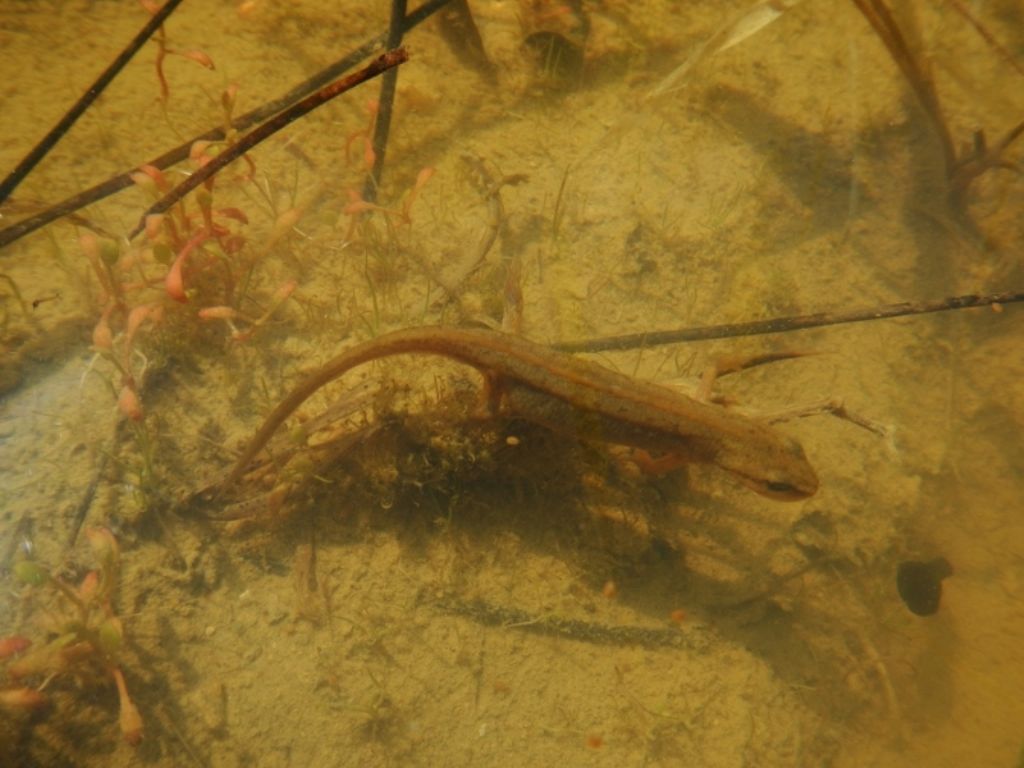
[(571, 395)]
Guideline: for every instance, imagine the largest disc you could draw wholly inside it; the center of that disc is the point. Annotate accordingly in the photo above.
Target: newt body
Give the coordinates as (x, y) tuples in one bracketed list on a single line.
[(572, 395)]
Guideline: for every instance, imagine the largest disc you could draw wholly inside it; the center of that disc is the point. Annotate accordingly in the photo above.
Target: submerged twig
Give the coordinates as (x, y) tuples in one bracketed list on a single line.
[(121, 181), (987, 36), (913, 69), (388, 83), (961, 169), (381, 64), (459, 31), (85, 502), (40, 150), (785, 324)]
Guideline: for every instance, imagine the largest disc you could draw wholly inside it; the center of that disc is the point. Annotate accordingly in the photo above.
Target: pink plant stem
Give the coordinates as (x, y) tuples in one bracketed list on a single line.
[(175, 281), (130, 719)]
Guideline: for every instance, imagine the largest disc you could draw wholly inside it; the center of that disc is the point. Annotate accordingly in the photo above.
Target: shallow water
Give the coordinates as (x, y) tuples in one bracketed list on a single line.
[(417, 586)]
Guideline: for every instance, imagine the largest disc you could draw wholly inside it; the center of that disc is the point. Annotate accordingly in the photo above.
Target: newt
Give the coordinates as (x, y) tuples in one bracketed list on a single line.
[(574, 396)]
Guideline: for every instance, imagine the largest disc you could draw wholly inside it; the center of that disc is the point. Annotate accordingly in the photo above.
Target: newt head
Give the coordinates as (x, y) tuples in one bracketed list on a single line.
[(776, 467)]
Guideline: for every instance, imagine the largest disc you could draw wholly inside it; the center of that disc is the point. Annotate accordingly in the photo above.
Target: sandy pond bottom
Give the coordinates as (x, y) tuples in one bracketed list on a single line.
[(446, 592)]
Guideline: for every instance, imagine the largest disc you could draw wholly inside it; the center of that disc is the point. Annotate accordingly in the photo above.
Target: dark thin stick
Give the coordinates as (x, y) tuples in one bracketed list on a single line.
[(981, 159), (785, 324), (960, 170), (82, 508), (117, 183), (15, 177), (458, 29), (885, 26), (381, 64), (386, 104), (989, 38)]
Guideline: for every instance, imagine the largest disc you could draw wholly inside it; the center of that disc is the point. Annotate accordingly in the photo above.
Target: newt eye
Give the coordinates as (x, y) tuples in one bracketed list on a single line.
[(784, 491)]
